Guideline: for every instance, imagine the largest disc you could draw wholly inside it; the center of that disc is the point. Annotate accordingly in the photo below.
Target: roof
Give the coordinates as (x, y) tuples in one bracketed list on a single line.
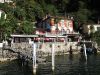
[(24, 36), (45, 35)]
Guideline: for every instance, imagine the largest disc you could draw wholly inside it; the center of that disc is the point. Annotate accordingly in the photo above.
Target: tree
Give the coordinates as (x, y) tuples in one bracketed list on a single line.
[(92, 29), (6, 28), (73, 6), (27, 27), (26, 11), (96, 37)]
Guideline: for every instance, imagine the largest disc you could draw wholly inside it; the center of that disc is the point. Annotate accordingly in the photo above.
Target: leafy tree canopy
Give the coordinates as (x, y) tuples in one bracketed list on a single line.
[(26, 11)]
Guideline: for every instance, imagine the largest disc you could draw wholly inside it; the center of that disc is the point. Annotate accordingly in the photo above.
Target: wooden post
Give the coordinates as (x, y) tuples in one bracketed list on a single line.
[(34, 58), (2, 52)]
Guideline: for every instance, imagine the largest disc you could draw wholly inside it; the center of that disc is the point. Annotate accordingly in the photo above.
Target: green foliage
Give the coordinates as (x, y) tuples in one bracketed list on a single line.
[(82, 4), (92, 29), (27, 27), (96, 37), (64, 4), (73, 6), (51, 9), (8, 26), (25, 12), (19, 13), (83, 15), (38, 10)]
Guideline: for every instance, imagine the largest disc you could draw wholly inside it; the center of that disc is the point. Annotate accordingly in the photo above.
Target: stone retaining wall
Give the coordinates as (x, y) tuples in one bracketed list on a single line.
[(45, 48), (42, 49), (6, 54)]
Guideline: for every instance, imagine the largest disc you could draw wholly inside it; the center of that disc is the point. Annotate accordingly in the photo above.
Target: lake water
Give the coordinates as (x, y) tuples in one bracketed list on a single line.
[(64, 65)]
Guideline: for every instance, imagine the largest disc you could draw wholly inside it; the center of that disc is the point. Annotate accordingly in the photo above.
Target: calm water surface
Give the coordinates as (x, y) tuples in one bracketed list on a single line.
[(64, 65)]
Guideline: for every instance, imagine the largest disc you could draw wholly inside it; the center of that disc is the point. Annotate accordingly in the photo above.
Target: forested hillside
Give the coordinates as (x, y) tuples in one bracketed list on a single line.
[(22, 13)]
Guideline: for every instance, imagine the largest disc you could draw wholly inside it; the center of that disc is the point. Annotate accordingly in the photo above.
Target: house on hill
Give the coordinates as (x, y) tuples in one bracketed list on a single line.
[(95, 27)]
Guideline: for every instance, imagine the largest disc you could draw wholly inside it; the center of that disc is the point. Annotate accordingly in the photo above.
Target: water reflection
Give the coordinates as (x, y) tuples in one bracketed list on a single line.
[(71, 57), (65, 65)]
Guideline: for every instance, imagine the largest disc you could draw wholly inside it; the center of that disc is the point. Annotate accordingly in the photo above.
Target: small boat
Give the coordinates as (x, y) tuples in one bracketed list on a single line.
[(89, 50)]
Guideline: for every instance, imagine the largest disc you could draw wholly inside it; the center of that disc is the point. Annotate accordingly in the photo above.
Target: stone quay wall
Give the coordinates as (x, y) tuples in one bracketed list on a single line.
[(7, 55), (42, 49), (45, 48)]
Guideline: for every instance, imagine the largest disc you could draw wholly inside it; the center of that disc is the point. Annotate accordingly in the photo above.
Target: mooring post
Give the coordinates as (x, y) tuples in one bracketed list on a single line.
[(53, 57), (3, 47), (85, 51), (2, 53), (34, 58)]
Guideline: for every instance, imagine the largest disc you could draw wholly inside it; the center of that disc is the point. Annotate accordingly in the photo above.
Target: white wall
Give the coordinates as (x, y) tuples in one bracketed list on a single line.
[(95, 27), (2, 1), (1, 13), (1, 45)]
